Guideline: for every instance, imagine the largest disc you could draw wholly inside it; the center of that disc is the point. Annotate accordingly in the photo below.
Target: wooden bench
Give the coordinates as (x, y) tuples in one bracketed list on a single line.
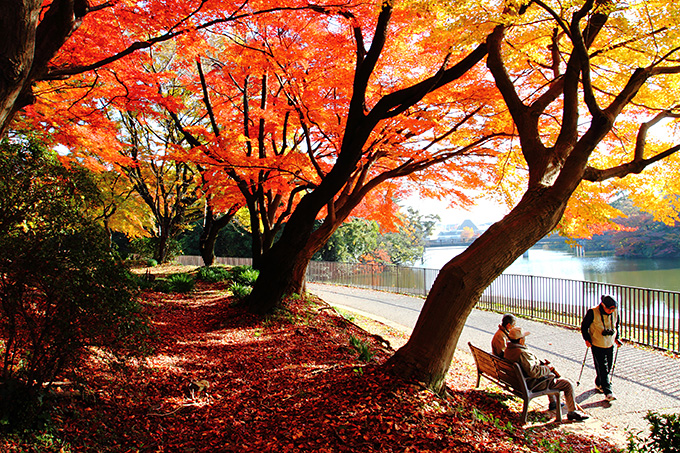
[(508, 375)]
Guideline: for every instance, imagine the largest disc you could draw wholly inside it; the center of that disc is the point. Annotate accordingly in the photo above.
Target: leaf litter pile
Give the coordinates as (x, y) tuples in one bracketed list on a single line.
[(303, 379)]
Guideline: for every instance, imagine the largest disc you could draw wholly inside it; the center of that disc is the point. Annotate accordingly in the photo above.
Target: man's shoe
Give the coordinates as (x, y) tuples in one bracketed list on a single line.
[(577, 416), (610, 397)]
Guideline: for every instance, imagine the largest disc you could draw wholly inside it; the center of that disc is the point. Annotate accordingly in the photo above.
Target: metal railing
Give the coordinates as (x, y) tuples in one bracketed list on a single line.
[(648, 316), (195, 260)]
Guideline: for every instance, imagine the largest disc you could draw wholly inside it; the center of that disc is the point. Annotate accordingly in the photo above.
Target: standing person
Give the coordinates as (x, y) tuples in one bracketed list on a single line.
[(500, 339), (535, 370), (600, 330)]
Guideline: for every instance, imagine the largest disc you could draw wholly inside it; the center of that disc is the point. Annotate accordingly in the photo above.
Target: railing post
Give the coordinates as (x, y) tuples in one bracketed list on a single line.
[(649, 319), (531, 295)]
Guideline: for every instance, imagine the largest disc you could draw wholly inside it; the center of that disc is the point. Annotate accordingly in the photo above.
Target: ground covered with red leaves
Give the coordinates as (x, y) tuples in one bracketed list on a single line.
[(222, 380)]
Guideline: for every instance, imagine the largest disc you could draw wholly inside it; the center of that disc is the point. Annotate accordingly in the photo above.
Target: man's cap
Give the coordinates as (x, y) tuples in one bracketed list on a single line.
[(608, 302), (516, 333)]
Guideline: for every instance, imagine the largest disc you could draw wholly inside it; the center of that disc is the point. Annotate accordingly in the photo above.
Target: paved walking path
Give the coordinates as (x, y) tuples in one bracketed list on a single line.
[(643, 379)]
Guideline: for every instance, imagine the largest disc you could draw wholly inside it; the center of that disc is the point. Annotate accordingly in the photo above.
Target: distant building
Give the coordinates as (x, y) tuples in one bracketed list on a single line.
[(453, 234)]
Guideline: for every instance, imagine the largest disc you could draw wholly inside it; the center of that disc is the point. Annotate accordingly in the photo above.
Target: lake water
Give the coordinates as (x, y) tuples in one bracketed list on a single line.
[(643, 273)]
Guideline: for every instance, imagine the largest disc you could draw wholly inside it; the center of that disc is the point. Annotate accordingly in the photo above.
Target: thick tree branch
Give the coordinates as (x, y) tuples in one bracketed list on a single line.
[(578, 73), (635, 82), (635, 166), (366, 65), (557, 85), (524, 117), (397, 102), (61, 19), (638, 163), (582, 42)]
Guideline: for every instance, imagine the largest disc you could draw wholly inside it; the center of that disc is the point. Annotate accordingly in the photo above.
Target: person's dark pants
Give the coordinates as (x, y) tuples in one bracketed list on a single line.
[(604, 359)]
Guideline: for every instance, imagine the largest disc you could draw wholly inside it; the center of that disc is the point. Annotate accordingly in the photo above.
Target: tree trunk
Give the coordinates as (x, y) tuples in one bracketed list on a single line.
[(427, 356), (161, 252), (297, 280), (277, 264), (281, 262), (206, 245), (283, 267), (315, 243), (211, 228), (18, 22)]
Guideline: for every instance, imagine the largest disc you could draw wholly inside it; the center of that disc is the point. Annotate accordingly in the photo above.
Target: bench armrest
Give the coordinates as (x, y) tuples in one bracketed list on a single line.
[(547, 378)]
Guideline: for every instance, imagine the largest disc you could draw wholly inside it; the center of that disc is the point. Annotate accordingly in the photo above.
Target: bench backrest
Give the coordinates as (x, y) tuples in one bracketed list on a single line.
[(502, 371)]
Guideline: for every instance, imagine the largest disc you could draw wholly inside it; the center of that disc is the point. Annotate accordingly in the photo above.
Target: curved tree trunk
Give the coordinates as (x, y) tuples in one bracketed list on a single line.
[(427, 356), (316, 242)]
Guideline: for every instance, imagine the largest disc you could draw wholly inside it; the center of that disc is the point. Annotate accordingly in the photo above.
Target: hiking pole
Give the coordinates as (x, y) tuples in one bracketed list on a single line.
[(614, 364), (582, 365)]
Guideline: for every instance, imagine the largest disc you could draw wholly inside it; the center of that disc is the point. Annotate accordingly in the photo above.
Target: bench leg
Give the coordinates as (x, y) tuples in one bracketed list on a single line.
[(558, 407), (525, 411)]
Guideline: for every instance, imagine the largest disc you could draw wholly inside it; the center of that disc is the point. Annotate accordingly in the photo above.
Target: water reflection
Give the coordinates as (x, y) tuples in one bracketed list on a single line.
[(643, 273)]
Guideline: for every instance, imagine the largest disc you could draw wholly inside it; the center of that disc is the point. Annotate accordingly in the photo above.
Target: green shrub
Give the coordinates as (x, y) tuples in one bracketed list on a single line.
[(362, 348), (213, 274), (161, 285), (61, 293), (244, 275), (664, 435), (62, 289), (175, 283), (240, 291), (140, 281), (181, 283)]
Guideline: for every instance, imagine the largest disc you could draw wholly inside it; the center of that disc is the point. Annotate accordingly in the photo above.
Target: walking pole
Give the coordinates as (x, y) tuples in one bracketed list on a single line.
[(614, 364), (582, 365)]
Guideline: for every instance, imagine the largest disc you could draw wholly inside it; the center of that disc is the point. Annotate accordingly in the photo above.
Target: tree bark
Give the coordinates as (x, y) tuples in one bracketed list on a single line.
[(28, 43), (427, 356), (18, 22), (161, 252), (278, 264), (212, 225), (316, 241), (206, 245)]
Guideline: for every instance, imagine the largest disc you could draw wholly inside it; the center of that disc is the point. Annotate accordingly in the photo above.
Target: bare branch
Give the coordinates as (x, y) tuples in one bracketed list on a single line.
[(64, 72), (625, 43), (644, 128), (206, 98)]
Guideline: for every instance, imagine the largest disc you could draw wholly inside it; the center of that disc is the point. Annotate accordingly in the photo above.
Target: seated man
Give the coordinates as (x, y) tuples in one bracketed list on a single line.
[(535, 369), (500, 339)]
